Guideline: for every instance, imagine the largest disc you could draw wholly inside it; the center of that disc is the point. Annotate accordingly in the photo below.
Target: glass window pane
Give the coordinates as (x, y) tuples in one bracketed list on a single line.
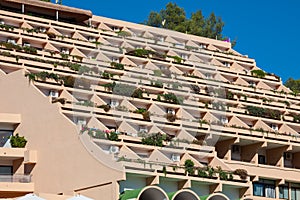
[(258, 189), (6, 170), (4, 136), (283, 192), (293, 194), (270, 191)]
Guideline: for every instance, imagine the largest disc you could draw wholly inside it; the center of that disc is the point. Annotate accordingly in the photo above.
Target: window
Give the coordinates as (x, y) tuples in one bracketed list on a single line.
[(6, 170), (264, 188), (261, 159), (295, 193), (283, 192), (4, 136)]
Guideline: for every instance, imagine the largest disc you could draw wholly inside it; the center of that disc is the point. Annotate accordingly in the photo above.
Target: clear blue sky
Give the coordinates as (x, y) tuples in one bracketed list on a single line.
[(266, 30)]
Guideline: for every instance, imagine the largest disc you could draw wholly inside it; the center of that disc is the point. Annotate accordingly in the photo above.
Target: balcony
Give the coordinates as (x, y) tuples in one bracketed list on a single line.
[(16, 183)]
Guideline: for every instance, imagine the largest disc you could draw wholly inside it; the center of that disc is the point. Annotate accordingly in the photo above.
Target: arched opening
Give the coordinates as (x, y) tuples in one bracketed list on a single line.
[(185, 194), (218, 196), (153, 193)]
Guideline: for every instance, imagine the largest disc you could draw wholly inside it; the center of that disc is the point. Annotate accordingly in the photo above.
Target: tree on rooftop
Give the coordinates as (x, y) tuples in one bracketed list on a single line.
[(293, 84), (174, 17)]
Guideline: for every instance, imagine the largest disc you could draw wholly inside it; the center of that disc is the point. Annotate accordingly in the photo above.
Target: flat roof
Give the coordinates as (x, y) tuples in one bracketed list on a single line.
[(80, 13)]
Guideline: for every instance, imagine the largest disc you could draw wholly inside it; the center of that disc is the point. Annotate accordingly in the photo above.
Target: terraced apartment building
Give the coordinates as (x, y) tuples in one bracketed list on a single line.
[(116, 110)]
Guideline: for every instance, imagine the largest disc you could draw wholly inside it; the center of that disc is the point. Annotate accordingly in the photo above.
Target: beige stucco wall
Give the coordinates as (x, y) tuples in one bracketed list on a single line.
[(64, 164)]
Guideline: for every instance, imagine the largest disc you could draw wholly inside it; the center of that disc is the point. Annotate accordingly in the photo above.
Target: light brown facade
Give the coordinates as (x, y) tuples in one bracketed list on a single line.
[(69, 80)]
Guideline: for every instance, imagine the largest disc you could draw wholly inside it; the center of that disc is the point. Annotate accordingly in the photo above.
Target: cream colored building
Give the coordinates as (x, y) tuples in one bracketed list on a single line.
[(87, 92)]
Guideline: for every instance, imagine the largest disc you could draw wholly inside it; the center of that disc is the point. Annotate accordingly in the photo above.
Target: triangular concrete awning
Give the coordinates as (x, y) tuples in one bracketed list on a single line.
[(195, 58), (262, 85), (78, 36), (151, 66), (283, 88), (127, 153), (286, 129), (127, 128), (191, 44), (25, 25), (48, 46), (127, 61), (103, 26), (156, 110), (170, 39), (184, 135), (65, 94), (218, 162), (209, 117), (101, 56), (189, 157), (76, 52), (212, 47), (158, 156), (103, 41), (260, 124), (95, 123), (175, 70), (127, 46), (172, 53), (97, 100), (147, 35), (234, 121), (240, 81), (216, 62), (52, 30), (128, 105), (237, 67)]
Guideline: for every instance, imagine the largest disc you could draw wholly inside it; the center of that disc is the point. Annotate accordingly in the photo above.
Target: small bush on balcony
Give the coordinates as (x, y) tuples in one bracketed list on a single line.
[(189, 167), (124, 89), (195, 88), (242, 173), (51, 35), (30, 50), (157, 84), (142, 52), (170, 97), (154, 139), (124, 34), (229, 94), (258, 73), (177, 59), (211, 172), (107, 75), (82, 69), (171, 117), (106, 107), (17, 141), (144, 112), (64, 56), (68, 81), (113, 136), (202, 173), (109, 86), (263, 112), (137, 93), (117, 65), (86, 103)]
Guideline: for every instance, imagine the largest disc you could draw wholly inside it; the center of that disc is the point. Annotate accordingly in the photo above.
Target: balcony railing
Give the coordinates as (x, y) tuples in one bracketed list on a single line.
[(16, 178)]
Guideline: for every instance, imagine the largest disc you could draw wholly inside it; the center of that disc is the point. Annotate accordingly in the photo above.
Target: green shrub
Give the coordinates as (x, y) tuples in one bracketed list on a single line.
[(258, 73), (154, 139), (189, 167), (17, 141)]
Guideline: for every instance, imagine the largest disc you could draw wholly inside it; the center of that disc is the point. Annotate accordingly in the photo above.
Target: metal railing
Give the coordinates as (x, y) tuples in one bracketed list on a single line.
[(16, 178)]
